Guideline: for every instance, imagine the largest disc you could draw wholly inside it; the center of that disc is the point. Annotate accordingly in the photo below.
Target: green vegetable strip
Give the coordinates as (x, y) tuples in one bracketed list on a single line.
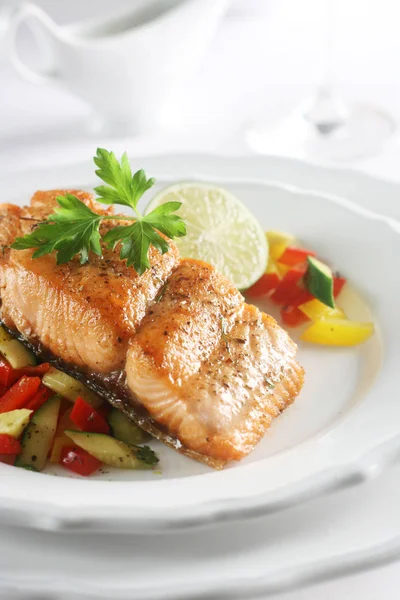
[(319, 281)]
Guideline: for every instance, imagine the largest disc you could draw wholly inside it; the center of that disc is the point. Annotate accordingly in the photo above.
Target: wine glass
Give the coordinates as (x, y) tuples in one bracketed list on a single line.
[(324, 126)]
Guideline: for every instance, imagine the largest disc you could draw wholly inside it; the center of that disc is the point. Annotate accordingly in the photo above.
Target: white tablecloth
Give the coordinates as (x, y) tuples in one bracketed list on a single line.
[(266, 57)]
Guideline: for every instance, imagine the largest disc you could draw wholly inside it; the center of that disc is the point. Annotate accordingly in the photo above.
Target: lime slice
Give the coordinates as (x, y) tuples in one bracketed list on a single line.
[(220, 231)]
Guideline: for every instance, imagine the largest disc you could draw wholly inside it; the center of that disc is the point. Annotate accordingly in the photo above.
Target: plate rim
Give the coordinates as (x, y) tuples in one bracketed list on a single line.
[(280, 581), (51, 518)]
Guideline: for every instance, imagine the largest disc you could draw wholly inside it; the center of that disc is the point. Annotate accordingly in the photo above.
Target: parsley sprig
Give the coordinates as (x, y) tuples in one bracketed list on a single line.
[(74, 229), (147, 455)]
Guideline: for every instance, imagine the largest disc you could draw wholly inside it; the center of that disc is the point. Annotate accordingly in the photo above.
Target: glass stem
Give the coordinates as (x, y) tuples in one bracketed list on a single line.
[(326, 110)]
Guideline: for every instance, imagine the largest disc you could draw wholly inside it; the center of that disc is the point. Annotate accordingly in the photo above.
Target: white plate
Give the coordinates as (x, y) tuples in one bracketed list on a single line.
[(355, 529), (344, 427)]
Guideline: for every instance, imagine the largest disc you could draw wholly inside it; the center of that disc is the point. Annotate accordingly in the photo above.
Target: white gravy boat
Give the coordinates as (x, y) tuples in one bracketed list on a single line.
[(126, 68)]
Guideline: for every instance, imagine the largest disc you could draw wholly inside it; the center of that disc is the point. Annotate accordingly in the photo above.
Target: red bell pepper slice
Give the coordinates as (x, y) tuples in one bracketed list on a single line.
[(41, 396), (9, 445), (266, 284), (288, 288), (32, 371), (292, 316), (19, 394), (78, 461), (84, 416), (8, 375), (338, 284), (301, 298), (294, 256)]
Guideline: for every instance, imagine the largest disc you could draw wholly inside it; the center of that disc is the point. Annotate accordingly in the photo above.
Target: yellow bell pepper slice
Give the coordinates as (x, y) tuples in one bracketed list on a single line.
[(275, 267), (338, 332), (282, 269), (279, 237), (58, 444), (278, 242), (60, 439), (315, 310), (276, 250)]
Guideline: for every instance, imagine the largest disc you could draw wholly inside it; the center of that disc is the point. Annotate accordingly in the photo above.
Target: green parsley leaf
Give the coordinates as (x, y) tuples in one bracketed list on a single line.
[(124, 188), (163, 219), (73, 229), (135, 242), (147, 455)]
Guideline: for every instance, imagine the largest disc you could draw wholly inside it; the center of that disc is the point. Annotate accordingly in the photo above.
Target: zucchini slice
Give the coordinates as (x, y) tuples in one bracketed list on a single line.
[(14, 352), (69, 387), (319, 281), (125, 430), (38, 436), (112, 452), (14, 422)]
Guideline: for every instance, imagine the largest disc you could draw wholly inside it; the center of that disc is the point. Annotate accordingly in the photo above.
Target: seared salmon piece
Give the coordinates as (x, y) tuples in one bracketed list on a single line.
[(177, 349), (10, 225), (43, 203), (16, 221), (182, 328), (85, 314), (211, 369)]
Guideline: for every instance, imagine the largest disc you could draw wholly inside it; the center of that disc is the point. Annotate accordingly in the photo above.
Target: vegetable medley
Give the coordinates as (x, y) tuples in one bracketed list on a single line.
[(306, 289), (46, 414)]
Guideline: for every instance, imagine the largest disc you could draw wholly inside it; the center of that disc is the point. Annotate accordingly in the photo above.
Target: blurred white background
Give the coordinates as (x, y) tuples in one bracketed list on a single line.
[(267, 56)]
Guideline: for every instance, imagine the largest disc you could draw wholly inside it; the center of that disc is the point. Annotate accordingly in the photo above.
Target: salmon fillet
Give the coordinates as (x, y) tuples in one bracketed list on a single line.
[(177, 348), (15, 220), (10, 224), (216, 393), (83, 313), (43, 203)]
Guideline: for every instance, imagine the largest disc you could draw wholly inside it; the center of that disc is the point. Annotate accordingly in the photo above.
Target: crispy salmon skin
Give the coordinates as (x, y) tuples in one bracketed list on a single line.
[(177, 348)]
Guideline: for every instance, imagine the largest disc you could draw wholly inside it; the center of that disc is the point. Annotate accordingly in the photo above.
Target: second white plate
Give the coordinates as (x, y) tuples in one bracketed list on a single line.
[(354, 529)]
